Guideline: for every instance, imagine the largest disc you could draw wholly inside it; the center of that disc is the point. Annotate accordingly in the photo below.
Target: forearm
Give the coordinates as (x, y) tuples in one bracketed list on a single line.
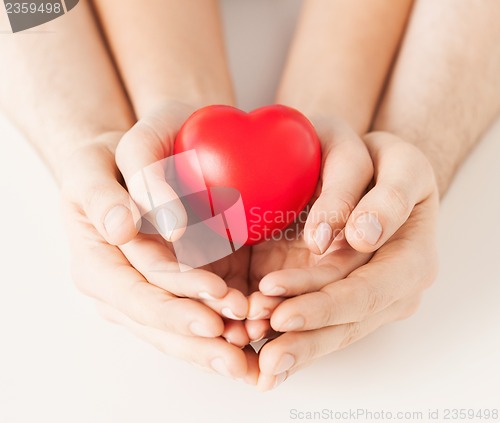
[(341, 56), (168, 50), (60, 87), (445, 90)]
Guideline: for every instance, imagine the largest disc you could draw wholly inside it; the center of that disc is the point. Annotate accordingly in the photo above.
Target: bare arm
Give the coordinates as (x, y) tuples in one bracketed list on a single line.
[(60, 87), (445, 89), (168, 50), (340, 57), (335, 74)]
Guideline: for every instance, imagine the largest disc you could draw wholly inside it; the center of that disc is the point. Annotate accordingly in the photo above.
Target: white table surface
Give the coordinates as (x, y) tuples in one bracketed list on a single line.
[(59, 362)]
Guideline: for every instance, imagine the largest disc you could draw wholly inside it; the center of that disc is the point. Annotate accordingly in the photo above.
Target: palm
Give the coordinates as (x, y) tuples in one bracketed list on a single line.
[(273, 255), (233, 269), (293, 253)]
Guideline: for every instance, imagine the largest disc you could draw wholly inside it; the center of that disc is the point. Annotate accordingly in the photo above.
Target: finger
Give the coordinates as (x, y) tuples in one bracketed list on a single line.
[(211, 354), (140, 157), (151, 256), (396, 271), (403, 178), (261, 306), (92, 182), (252, 366), (333, 267), (235, 333), (102, 272), (268, 382), (233, 269), (234, 305), (291, 351), (346, 172), (257, 329)]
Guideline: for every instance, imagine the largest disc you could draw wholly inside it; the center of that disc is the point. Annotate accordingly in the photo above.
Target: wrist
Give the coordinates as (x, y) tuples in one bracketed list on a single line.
[(435, 166), (191, 89), (60, 154), (443, 163), (321, 106)]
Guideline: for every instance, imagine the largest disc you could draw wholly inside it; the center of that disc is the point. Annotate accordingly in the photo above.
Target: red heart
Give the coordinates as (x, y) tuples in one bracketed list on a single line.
[(272, 156)]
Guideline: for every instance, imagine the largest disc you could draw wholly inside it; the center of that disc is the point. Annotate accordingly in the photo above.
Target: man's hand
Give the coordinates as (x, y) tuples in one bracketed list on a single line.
[(346, 307), (314, 250)]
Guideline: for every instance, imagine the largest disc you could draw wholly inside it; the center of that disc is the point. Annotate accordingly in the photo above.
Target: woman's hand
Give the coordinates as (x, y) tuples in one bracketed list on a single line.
[(180, 327), (222, 285), (402, 208), (139, 283)]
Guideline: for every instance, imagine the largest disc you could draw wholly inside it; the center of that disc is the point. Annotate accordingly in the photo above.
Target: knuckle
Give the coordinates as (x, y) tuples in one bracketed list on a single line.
[(94, 196), (150, 134), (313, 350), (326, 311), (347, 201), (396, 199), (372, 302), (343, 204), (352, 332)]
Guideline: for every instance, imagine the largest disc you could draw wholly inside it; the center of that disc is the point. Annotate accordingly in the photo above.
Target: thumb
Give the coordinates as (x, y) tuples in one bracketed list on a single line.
[(346, 171), (91, 180), (141, 157), (403, 179)]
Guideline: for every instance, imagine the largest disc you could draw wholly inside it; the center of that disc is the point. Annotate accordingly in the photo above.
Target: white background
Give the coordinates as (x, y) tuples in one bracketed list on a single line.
[(60, 363)]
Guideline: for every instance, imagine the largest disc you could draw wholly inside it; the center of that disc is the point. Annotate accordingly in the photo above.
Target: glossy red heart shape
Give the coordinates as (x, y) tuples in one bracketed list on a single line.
[(271, 155)]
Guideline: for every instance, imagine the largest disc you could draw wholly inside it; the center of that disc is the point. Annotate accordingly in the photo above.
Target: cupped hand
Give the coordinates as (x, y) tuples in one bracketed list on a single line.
[(139, 284), (397, 220), (314, 240), (140, 158)]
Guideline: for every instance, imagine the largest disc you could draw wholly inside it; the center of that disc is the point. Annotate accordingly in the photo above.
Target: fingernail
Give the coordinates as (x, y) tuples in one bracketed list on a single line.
[(166, 222), (280, 379), (368, 228), (322, 236), (294, 323), (263, 314), (275, 291), (115, 218), (227, 312), (206, 296), (220, 367), (198, 329), (286, 362), (260, 338)]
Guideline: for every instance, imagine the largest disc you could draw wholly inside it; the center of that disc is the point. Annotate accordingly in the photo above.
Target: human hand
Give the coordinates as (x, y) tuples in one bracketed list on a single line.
[(139, 157), (403, 207), (346, 172), (183, 327)]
